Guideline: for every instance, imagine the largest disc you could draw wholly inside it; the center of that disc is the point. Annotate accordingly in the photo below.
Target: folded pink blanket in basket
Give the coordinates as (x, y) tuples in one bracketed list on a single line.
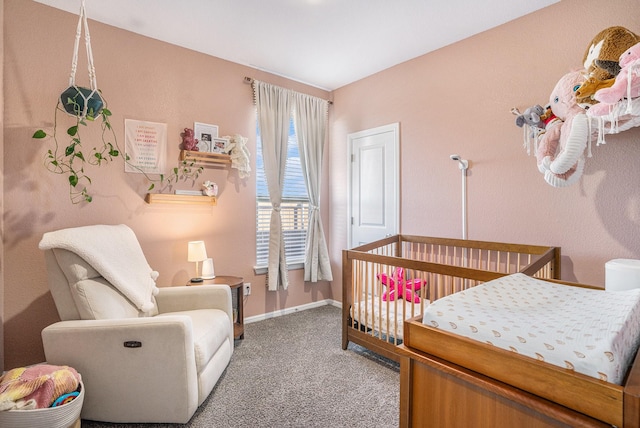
[(36, 387)]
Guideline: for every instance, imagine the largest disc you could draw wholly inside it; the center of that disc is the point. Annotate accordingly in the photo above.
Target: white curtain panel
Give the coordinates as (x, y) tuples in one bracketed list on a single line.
[(274, 106), (310, 119)]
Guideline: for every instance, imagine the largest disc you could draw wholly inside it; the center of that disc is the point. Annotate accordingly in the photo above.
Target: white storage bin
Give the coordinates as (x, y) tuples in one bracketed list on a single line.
[(64, 416)]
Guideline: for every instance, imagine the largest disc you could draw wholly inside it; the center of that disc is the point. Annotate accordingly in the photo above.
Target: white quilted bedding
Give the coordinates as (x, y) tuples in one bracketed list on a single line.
[(594, 332)]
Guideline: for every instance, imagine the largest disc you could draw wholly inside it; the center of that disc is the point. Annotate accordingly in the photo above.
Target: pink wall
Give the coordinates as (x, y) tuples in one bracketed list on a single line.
[(141, 79), (457, 100)]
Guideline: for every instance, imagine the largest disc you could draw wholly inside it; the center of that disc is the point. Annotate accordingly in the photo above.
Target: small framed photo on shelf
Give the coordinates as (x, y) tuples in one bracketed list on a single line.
[(205, 134), (219, 145)]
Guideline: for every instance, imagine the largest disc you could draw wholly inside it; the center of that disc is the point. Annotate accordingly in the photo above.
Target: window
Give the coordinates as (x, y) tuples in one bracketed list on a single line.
[(294, 209)]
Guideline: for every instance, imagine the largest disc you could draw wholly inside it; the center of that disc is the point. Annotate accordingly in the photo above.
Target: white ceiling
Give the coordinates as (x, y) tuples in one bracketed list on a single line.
[(324, 43)]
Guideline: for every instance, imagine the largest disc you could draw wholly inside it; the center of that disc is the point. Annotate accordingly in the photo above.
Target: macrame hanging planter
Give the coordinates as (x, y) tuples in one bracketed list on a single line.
[(80, 101)]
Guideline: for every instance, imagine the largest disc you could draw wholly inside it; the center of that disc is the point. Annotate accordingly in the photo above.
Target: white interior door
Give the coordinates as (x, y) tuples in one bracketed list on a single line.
[(374, 205)]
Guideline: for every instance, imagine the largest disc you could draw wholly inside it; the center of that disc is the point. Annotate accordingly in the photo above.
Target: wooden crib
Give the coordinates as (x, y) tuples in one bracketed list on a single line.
[(440, 266)]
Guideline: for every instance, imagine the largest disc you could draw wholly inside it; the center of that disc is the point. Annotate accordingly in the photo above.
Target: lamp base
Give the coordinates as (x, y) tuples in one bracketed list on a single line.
[(194, 280)]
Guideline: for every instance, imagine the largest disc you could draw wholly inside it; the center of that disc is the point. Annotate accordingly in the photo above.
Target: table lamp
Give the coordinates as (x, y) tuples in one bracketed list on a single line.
[(197, 253)]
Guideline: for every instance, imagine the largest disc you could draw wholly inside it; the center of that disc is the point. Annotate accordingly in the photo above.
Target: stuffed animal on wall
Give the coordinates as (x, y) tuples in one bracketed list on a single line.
[(188, 142), (399, 287), (534, 120), (602, 55), (548, 143), (532, 116), (585, 94), (560, 152), (627, 82)]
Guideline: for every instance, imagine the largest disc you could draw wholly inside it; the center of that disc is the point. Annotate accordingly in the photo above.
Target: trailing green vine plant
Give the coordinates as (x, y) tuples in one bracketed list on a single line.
[(185, 171), (71, 157)]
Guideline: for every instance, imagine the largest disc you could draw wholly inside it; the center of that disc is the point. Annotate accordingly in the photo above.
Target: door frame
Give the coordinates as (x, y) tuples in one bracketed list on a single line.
[(395, 128)]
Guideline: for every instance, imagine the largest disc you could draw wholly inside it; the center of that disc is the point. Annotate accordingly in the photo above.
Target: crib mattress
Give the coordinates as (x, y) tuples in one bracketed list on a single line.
[(374, 314), (594, 332)]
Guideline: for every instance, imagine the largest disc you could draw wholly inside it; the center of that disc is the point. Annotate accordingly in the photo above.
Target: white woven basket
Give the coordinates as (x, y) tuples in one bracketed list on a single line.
[(52, 417)]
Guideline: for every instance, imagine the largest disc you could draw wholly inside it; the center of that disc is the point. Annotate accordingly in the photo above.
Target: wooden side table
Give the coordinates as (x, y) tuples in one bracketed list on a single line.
[(236, 283)]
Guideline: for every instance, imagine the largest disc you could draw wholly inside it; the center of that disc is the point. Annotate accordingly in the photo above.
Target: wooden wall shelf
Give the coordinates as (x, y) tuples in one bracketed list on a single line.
[(205, 157), (161, 198)]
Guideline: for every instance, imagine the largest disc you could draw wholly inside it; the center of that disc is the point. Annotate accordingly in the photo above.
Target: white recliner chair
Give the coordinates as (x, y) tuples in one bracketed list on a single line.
[(145, 354)]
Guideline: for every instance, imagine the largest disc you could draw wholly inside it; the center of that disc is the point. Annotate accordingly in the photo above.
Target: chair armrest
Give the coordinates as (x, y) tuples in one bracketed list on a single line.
[(97, 349), (102, 337), (187, 298)]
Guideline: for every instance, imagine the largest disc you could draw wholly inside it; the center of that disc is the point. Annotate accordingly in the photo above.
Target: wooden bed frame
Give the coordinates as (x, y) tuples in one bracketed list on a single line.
[(447, 265), (452, 381)]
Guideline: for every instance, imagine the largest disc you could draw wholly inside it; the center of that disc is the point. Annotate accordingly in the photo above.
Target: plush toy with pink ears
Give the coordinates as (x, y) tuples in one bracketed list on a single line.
[(627, 82), (398, 287)]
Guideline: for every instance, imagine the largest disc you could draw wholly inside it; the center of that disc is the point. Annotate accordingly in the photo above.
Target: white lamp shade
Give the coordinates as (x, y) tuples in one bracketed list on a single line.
[(207, 269), (197, 251)]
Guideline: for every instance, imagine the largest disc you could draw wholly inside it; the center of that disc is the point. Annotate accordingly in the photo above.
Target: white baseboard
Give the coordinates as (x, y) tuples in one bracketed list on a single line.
[(286, 311)]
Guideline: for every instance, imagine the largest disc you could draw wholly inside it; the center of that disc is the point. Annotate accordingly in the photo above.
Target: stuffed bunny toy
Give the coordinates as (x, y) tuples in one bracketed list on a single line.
[(626, 85), (560, 152)]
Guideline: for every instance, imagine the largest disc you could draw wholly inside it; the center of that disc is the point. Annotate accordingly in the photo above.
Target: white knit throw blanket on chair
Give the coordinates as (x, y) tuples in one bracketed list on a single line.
[(114, 251)]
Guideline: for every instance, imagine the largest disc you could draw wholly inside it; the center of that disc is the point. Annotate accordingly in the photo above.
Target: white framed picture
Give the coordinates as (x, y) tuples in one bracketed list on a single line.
[(219, 145), (145, 146), (205, 134)]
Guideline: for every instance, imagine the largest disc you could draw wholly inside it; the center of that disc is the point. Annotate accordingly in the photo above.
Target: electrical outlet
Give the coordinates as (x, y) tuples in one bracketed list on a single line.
[(247, 288)]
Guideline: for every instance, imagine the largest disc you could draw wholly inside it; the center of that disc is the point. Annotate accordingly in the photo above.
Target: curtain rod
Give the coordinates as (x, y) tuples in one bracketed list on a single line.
[(249, 81)]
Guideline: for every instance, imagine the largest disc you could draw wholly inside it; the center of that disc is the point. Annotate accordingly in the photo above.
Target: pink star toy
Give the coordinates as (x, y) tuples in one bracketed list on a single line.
[(398, 287)]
